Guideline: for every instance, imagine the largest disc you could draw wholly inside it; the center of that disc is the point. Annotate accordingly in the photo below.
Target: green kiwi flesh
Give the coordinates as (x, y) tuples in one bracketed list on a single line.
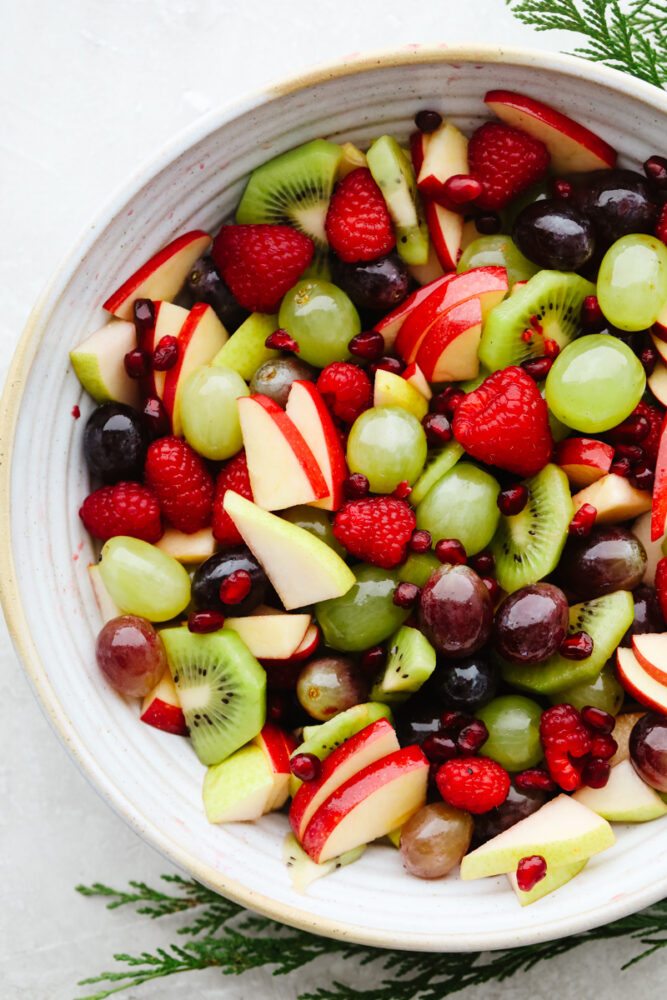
[(437, 464), (303, 870), (392, 172), (410, 663)]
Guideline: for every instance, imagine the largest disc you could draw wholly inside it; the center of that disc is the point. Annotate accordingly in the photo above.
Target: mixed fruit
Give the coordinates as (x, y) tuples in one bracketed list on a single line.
[(393, 549)]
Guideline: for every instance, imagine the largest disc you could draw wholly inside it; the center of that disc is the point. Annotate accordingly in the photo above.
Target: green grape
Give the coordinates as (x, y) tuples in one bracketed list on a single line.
[(142, 580), (387, 445), (514, 731), (594, 383), (604, 692), (366, 615), (500, 251), (210, 413), (632, 281), (558, 430), (317, 522), (418, 567), (462, 505), (322, 320)]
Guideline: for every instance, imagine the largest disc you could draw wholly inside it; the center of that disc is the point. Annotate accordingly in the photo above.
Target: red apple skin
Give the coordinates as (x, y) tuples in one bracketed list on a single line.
[(651, 666), (418, 145), (333, 444), (172, 376), (442, 334), (438, 218), (659, 506), (625, 662), (160, 713), (278, 745), (583, 460), (391, 324), (282, 675)]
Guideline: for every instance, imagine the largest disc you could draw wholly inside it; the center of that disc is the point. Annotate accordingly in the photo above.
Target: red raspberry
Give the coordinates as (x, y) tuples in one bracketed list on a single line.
[(376, 529), (346, 390), (475, 784), (123, 509), (661, 585), (506, 161), (181, 482), (505, 422), (234, 476), (656, 418), (564, 735), (261, 263), (358, 224), (661, 225)]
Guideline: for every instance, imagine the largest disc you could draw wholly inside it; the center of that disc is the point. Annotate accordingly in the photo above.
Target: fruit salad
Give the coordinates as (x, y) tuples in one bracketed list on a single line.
[(380, 480)]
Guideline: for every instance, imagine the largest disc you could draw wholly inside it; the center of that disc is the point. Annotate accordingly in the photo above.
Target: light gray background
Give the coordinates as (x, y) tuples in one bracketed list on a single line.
[(89, 89)]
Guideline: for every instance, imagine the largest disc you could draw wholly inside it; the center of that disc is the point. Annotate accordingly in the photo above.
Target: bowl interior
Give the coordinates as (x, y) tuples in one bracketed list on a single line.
[(152, 779)]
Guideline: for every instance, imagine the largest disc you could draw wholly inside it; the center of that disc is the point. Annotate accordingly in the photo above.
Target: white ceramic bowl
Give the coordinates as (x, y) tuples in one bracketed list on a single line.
[(154, 780)]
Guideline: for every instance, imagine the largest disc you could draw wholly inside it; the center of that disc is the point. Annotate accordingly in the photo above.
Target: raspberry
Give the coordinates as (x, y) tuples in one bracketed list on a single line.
[(234, 476), (505, 422), (123, 509), (661, 585), (655, 418), (260, 263), (346, 390), (506, 161), (661, 225), (475, 784), (564, 735), (181, 482), (358, 224), (377, 529)]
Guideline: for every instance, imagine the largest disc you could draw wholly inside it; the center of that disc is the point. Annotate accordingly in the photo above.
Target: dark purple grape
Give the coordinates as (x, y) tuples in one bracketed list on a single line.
[(648, 616), (516, 806), (608, 559), (648, 749), (554, 235), (467, 684), (416, 719), (455, 611), (531, 623), (205, 284), (617, 202), (115, 443), (329, 685), (210, 575), (376, 284), (274, 378)]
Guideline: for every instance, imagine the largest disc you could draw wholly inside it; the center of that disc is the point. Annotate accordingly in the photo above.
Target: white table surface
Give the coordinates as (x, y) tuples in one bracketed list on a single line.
[(89, 89)]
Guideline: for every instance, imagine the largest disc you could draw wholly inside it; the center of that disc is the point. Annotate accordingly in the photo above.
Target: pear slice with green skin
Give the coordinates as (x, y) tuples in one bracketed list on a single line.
[(239, 788), (303, 870), (100, 367), (392, 390), (437, 464), (626, 798), (246, 349), (410, 663), (554, 879), (393, 173)]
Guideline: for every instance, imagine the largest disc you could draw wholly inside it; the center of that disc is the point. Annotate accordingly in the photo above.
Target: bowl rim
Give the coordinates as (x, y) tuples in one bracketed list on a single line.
[(10, 403)]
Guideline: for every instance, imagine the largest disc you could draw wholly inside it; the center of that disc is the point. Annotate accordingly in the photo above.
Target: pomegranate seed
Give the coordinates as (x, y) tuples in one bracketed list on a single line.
[(155, 418), (530, 871), (633, 452), (649, 359), (406, 595), (420, 541), (655, 169), (387, 364), (592, 317), (631, 431), (582, 523), (144, 316), (305, 766), (597, 719), (461, 189), (595, 773), (235, 587), (205, 621), (620, 468), (527, 336), (643, 476), (577, 646), (483, 562), (472, 736), (428, 121), (403, 490), (446, 401), (551, 348), (604, 747), (275, 706), (136, 363), (488, 223), (165, 354), (562, 189), (537, 368), (76, 411), (453, 722), (439, 747), (368, 345), (512, 500), (492, 586), (373, 660), (450, 550), (535, 777), (356, 486), (280, 340), (438, 428)]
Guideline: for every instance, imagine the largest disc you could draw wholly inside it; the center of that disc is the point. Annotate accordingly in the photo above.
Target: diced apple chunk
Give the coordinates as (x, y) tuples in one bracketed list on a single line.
[(614, 499), (274, 635), (99, 363), (194, 548)]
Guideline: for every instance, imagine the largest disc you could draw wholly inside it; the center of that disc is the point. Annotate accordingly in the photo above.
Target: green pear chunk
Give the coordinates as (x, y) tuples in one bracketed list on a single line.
[(246, 349), (626, 798), (100, 367), (239, 788), (554, 879)]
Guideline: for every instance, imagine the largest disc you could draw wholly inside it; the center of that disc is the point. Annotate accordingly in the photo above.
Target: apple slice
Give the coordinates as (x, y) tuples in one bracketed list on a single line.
[(169, 320), (659, 501), (302, 569), (107, 606), (282, 468), (659, 328), (390, 324), (193, 548), (352, 756), (641, 529), (424, 274), (161, 707), (273, 635), (240, 787), (584, 460), (99, 363), (161, 277), (445, 155), (660, 344), (573, 148), (306, 409), (352, 159), (419, 143), (650, 648), (200, 338), (449, 351), (614, 499), (282, 675), (562, 831), (624, 799), (446, 231), (657, 382), (639, 683), (390, 389), (625, 723), (369, 805), (415, 376), (554, 879), (277, 745)]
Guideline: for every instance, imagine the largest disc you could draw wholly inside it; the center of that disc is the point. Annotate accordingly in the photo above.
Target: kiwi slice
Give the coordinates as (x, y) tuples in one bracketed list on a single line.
[(606, 619), (303, 870), (528, 545), (410, 663), (392, 171), (437, 464), (221, 688), (294, 190), (548, 306)]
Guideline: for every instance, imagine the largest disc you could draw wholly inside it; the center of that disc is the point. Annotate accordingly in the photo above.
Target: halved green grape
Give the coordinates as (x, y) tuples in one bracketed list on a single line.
[(387, 445), (514, 731), (499, 251), (632, 281), (322, 320), (595, 383), (462, 505), (210, 413), (604, 692), (317, 522), (143, 580), (366, 615)]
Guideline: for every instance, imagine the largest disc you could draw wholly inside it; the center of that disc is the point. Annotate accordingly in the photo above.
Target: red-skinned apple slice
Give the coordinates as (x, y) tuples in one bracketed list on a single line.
[(353, 755), (660, 344), (369, 805), (650, 648), (445, 155), (391, 324), (271, 634), (162, 709), (282, 468), (194, 548), (277, 745), (583, 460), (639, 683), (446, 231), (200, 338), (306, 408), (659, 499), (573, 148), (659, 328), (424, 274), (415, 376), (281, 675), (448, 352), (161, 277), (169, 320), (419, 142), (614, 498)]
